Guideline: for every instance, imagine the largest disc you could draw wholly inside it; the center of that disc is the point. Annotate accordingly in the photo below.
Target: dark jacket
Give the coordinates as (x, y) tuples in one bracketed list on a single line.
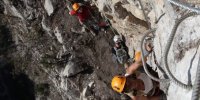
[(122, 45), (121, 53)]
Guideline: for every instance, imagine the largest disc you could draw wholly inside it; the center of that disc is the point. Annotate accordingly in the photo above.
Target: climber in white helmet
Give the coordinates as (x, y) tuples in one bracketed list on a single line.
[(120, 51)]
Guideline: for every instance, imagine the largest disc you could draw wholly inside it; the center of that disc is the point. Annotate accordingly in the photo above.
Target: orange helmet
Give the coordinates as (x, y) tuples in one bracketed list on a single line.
[(118, 83), (138, 57), (75, 6)]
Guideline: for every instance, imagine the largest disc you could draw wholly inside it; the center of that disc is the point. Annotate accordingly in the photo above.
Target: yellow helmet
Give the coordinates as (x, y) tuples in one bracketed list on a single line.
[(75, 6), (118, 83)]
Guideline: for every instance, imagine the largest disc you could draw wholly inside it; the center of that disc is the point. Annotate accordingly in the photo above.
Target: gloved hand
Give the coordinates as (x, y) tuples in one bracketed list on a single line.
[(72, 12)]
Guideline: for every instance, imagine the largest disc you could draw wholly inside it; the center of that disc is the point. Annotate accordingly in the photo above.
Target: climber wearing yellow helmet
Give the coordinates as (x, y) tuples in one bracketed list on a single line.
[(139, 88), (136, 84)]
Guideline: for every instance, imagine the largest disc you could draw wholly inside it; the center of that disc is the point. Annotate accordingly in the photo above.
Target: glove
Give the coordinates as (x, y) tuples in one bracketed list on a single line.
[(72, 12)]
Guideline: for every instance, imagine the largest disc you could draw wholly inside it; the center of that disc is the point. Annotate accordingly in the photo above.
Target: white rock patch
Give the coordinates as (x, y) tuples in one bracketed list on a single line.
[(58, 35), (48, 6), (11, 9), (59, 38), (45, 27)]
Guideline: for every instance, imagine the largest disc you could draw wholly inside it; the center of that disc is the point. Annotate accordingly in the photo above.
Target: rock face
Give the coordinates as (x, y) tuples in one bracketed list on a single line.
[(71, 69), (183, 56), (127, 18), (47, 45), (184, 53), (46, 49)]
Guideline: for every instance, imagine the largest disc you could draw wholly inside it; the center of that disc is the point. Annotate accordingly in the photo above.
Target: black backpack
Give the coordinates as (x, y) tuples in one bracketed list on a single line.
[(121, 55)]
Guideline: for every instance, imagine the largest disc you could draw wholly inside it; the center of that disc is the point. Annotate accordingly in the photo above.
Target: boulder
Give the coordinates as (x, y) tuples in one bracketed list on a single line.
[(72, 69), (87, 92)]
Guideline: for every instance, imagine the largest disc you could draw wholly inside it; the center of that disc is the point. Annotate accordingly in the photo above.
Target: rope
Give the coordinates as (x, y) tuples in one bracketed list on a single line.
[(166, 52), (186, 6), (144, 63)]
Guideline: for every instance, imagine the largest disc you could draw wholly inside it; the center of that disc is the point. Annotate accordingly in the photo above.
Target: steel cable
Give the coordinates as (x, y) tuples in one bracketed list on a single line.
[(141, 46), (186, 6), (167, 48), (144, 63), (196, 87)]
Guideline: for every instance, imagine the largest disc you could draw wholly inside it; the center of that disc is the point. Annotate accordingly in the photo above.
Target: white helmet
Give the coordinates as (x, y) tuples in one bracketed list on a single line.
[(117, 38)]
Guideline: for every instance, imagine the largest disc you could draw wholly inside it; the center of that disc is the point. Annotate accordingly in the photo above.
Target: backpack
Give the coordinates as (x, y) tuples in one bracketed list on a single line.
[(121, 55)]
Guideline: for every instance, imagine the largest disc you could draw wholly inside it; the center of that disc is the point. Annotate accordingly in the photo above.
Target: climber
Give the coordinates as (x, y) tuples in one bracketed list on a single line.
[(139, 88), (71, 2), (136, 84), (81, 11), (120, 51), (84, 14)]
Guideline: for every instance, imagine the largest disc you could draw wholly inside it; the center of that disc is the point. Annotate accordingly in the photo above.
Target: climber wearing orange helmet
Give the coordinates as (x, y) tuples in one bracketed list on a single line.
[(139, 88), (137, 84), (85, 14), (81, 11)]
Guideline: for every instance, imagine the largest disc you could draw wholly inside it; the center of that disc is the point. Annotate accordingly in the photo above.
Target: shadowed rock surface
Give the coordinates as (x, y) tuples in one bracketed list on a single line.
[(45, 54)]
